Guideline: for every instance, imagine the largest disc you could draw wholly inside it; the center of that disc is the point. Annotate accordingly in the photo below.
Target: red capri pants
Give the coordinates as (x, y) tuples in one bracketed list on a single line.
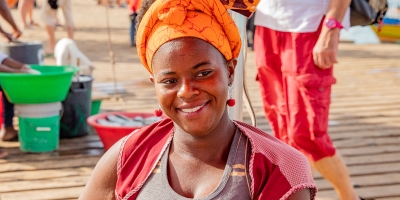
[(295, 92)]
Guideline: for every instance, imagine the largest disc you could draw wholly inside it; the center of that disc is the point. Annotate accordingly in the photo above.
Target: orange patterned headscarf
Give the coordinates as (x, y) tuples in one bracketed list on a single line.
[(208, 20)]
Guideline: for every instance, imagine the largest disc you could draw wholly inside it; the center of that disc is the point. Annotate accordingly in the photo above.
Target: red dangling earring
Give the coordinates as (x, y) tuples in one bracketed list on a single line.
[(158, 112), (231, 101)]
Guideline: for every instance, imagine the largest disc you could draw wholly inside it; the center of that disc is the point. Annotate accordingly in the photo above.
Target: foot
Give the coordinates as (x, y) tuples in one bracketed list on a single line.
[(10, 134), (48, 53), (28, 26), (3, 154), (33, 23)]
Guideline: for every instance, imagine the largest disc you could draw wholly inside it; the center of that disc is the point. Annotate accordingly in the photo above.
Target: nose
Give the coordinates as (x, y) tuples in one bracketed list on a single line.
[(187, 90)]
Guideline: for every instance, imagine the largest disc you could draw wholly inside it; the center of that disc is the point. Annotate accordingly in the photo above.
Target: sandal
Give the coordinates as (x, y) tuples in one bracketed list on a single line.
[(49, 55)]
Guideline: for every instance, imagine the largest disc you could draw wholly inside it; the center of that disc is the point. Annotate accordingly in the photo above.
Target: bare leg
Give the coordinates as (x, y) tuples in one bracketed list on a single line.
[(106, 2), (3, 154), (70, 32), (120, 2), (30, 11), (52, 39), (335, 171), (22, 8), (9, 133)]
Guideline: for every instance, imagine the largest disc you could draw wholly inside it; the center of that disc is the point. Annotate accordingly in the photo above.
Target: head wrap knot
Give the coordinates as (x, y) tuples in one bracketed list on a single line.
[(173, 12)]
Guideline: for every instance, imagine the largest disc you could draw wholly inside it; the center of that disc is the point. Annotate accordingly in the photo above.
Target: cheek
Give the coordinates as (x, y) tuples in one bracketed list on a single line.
[(220, 85), (164, 96)]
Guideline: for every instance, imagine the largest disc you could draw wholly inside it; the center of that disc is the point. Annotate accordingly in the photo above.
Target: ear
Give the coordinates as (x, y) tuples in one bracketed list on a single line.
[(231, 65), (151, 78)]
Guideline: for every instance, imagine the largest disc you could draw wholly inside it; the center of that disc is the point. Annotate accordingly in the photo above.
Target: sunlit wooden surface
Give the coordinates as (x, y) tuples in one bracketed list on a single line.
[(364, 116)]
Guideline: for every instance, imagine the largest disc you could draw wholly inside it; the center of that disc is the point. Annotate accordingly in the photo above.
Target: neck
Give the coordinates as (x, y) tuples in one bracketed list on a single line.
[(213, 147)]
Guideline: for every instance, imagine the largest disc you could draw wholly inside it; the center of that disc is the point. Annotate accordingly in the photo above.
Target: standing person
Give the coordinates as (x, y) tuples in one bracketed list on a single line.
[(49, 17), (190, 49), (134, 6), (25, 8), (8, 133), (296, 44), (9, 65)]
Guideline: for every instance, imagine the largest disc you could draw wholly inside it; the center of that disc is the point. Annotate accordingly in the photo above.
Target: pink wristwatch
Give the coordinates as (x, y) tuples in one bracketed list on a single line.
[(332, 23)]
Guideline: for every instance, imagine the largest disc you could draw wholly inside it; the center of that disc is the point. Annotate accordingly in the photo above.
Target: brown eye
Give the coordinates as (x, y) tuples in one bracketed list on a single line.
[(168, 81), (203, 74)]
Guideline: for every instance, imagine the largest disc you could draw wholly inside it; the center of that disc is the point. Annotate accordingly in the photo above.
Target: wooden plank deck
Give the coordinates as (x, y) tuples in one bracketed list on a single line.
[(364, 116)]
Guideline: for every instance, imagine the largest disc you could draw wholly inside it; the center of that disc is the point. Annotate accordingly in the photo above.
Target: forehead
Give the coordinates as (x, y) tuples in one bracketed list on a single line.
[(186, 50)]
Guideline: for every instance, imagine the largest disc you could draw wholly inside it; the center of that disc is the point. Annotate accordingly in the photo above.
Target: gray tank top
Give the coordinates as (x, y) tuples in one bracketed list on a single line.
[(233, 184)]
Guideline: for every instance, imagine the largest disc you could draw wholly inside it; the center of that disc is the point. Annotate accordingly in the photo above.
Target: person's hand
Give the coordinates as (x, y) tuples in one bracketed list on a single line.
[(24, 69), (17, 33), (8, 36), (11, 36), (325, 50)]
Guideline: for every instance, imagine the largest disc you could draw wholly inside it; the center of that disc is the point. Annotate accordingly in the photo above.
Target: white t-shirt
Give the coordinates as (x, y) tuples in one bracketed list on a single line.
[(2, 57), (294, 15)]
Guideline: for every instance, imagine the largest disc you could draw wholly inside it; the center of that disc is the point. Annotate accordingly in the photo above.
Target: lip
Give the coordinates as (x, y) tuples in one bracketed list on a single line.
[(195, 113)]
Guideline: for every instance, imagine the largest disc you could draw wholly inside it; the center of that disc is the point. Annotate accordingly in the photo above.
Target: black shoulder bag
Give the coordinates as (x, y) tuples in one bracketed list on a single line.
[(367, 12), (53, 4)]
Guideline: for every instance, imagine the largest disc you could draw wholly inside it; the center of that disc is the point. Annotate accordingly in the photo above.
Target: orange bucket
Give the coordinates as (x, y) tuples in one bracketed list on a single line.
[(11, 3)]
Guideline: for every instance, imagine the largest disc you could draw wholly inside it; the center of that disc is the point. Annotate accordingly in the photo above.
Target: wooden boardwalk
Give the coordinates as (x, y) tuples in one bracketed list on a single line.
[(364, 116)]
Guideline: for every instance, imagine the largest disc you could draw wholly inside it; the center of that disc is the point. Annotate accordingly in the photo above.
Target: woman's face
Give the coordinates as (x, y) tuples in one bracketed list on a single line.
[(191, 78)]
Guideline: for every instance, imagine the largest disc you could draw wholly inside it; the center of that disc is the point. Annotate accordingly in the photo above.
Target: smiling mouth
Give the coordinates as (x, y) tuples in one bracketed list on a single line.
[(192, 110)]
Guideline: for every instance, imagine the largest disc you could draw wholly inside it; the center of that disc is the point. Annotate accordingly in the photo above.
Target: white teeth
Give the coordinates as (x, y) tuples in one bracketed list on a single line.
[(190, 110)]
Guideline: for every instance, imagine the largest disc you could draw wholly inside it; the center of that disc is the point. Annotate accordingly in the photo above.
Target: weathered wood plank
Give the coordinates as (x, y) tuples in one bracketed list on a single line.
[(375, 192), (21, 186), (62, 148), (60, 156), (50, 194), (365, 180), (369, 150), (44, 174), (369, 169), (373, 159), (48, 164)]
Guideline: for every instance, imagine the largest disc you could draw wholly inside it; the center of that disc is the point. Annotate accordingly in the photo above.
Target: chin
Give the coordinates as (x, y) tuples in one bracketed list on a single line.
[(196, 129)]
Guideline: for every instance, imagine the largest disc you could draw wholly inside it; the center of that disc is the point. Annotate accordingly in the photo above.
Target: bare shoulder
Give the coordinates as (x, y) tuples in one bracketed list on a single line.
[(101, 184)]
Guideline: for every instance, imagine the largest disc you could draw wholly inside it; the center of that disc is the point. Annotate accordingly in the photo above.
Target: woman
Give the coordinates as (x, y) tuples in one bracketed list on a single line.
[(190, 49), (8, 133)]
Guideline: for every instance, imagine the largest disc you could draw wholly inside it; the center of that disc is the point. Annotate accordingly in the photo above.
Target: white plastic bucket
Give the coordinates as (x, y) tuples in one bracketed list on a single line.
[(38, 110)]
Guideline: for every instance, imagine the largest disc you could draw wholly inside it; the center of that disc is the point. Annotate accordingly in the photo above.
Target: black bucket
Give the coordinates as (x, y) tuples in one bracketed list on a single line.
[(76, 108), (25, 52)]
